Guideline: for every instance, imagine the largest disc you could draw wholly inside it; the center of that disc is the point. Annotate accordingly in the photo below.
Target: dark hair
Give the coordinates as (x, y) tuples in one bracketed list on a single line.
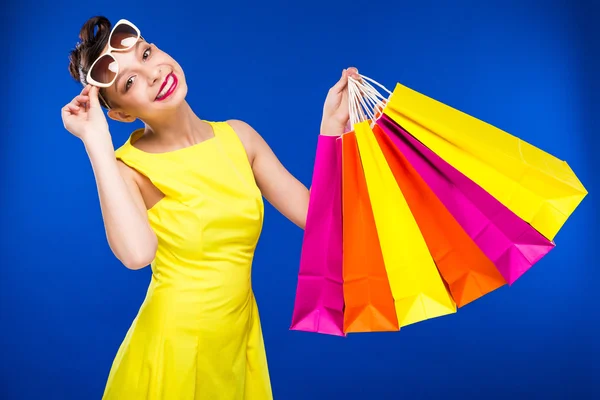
[(93, 39)]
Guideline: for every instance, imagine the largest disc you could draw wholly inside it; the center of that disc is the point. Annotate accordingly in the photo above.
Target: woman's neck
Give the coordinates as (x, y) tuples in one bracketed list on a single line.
[(181, 128)]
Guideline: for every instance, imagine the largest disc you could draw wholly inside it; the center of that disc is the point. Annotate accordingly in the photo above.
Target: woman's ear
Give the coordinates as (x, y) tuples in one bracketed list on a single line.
[(120, 116)]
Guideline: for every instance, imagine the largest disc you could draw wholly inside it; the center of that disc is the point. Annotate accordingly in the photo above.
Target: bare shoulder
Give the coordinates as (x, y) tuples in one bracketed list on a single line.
[(145, 194), (126, 171), (243, 129), (247, 134), (130, 175)]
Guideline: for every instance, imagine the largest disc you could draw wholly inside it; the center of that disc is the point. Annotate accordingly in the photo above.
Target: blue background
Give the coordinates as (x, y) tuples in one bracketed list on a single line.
[(527, 67)]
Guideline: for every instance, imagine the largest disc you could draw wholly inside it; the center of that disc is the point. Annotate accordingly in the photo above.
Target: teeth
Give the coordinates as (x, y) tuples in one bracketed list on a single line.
[(166, 87)]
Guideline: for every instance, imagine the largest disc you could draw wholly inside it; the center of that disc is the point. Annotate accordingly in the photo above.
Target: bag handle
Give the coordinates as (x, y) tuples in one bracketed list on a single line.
[(365, 102)]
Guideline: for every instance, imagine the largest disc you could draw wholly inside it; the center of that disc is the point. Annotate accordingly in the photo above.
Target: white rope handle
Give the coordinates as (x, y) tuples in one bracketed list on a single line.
[(353, 95), (358, 96), (377, 102), (356, 104), (357, 110), (364, 100), (377, 83)]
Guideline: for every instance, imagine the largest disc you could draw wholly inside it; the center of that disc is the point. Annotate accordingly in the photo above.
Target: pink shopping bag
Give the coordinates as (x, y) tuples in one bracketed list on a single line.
[(511, 243), (319, 304)]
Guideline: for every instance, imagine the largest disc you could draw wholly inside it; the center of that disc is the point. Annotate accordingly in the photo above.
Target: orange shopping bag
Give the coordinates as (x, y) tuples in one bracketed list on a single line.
[(417, 287), (369, 305)]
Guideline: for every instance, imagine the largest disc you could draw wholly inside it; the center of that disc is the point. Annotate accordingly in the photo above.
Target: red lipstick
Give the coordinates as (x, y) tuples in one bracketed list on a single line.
[(167, 88)]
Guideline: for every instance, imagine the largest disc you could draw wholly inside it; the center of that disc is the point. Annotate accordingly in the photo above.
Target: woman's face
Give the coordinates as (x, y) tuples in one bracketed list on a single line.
[(149, 83)]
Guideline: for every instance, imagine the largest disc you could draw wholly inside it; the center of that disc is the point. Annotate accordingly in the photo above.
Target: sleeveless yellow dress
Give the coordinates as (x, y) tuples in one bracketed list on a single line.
[(197, 334)]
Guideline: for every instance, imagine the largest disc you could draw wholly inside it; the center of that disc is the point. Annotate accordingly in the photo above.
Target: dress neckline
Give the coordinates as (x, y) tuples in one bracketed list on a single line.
[(132, 139)]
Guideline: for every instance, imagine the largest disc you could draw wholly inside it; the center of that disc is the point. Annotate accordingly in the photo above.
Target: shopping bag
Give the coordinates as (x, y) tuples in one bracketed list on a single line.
[(538, 187), (467, 271), (512, 244), (417, 288), (319, 303), (369, 305)]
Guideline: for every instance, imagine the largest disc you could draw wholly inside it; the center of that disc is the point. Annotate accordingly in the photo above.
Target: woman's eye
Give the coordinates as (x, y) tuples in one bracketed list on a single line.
[(144, 57), (129, 83)]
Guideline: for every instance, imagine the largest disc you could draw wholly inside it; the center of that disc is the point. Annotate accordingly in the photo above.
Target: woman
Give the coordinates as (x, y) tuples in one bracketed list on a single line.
[(184, 195)]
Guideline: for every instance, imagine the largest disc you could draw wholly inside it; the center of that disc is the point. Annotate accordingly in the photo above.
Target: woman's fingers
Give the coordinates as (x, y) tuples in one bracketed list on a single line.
[(93, 95), (341, 84), (353, 73), (82, 101), (73, 108), (86, 89)]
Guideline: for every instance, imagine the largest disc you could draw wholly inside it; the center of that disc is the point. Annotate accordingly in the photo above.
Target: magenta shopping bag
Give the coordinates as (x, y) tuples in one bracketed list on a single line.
[(319, 305), (511, 243)]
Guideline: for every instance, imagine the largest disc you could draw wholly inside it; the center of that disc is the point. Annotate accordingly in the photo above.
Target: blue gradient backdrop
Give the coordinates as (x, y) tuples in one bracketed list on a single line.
[(527, 67)]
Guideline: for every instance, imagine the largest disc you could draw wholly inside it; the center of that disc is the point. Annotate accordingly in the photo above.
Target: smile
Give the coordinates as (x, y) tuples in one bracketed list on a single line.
[(167, 88)]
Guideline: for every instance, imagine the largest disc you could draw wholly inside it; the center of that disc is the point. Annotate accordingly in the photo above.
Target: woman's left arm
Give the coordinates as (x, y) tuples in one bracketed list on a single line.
[(281, 189), (286, 193)]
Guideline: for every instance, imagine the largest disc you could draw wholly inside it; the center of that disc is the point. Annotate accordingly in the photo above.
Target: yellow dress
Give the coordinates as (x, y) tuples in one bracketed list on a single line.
[(197, 334)]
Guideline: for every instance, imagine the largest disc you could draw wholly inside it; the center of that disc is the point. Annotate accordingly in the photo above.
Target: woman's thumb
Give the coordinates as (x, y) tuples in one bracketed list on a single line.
[(341, 84), (94, 102)]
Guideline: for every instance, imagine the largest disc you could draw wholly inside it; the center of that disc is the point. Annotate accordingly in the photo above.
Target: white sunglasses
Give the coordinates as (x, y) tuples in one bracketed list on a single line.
[(104, 71)]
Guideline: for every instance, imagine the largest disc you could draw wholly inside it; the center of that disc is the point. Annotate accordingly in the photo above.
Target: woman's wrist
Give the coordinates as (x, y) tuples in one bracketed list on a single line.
[(99, 144), (332, 130)]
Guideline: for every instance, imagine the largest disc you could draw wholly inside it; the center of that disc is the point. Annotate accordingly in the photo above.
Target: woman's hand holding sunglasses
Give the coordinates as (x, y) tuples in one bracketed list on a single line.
[(83, 116)]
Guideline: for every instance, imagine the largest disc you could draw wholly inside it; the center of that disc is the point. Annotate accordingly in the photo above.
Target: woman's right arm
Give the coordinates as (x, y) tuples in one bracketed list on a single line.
[(128, 230)]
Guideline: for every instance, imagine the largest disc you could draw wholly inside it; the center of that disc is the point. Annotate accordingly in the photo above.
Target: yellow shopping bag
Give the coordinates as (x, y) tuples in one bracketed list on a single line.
[(538, 187), (417, 288)]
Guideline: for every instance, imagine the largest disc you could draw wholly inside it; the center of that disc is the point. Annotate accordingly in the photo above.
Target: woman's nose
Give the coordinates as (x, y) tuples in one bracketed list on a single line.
[(155, 75)]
